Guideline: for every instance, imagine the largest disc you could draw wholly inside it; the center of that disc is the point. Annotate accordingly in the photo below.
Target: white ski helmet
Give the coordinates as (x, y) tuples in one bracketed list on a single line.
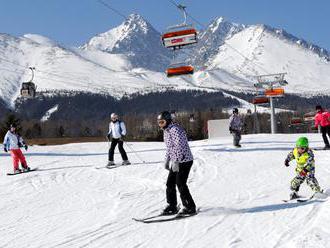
[(114, 116)]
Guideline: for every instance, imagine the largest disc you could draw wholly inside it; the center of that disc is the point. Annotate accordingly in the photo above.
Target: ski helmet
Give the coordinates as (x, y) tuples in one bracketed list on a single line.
[(235, 110), (113, 115), (318, 107), (13, 125), (302, 142), (165, 115)]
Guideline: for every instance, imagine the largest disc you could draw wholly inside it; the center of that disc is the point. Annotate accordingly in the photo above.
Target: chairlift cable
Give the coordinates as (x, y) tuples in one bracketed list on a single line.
[(113, 9), (234, 49)]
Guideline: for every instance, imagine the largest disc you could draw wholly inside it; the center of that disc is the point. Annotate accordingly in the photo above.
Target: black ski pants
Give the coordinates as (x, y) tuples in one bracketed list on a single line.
[(179, 179), (325, 131), (114, 143)]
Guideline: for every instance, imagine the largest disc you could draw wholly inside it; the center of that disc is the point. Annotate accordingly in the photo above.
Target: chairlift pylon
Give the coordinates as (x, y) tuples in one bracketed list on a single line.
[(28, 89)]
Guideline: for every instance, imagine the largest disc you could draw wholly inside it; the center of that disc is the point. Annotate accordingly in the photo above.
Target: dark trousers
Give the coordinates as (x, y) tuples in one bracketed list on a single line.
[(325, 131), (179, 179), (114, 143)]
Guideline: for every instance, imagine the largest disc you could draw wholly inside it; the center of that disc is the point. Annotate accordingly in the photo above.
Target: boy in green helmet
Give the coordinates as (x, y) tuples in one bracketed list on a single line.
[(305, 169)]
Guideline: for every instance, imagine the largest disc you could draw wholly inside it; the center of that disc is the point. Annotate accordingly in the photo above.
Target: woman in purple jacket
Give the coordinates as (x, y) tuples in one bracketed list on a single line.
[(178, 160)]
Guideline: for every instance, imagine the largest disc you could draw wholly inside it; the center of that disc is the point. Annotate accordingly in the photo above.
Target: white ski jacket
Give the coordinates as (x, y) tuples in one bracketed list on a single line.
[(117, 129), (13, 141)]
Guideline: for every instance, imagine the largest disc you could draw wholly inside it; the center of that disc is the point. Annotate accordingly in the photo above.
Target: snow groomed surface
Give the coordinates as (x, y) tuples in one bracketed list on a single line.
[(70, 203)]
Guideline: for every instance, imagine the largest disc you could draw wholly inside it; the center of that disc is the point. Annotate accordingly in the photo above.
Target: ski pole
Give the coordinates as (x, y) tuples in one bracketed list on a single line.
[(136, 154)]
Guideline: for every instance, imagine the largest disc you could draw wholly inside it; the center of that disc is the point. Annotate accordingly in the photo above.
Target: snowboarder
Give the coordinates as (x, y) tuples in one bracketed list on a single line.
[(117, 130), (305, 168), (322, 118), (178, 160), (235, 127), (13, 142)]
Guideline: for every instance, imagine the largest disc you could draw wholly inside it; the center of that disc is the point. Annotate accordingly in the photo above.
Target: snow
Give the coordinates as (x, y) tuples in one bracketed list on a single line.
[(70, 203), (130, 58), (49, 113)]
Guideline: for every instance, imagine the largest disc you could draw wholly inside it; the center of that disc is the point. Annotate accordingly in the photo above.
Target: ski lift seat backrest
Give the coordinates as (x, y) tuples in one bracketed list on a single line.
[(178, 36)]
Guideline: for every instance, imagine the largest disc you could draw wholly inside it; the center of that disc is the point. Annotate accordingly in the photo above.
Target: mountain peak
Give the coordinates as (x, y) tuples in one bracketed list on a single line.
[(137, 39)]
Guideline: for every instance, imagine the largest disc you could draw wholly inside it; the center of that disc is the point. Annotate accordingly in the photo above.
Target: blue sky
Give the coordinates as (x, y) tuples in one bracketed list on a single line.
[(73, 22)]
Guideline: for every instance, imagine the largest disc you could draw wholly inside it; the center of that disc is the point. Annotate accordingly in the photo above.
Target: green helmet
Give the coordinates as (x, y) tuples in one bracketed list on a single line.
[(302, 142)]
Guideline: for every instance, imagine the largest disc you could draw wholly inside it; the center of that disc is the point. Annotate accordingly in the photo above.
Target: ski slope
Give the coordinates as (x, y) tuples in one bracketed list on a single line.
[(70, 203)]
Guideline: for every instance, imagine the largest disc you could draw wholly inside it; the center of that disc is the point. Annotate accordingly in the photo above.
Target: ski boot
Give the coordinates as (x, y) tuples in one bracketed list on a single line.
[(170, 210), (17, 171), (294, 195), (110, 163), (126, 162), (187, 211), (26, 169)]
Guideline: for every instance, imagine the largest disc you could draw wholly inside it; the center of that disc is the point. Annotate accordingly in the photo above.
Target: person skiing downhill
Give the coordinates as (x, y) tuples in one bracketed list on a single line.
[(13, 142), (235, 127), (117, 130), (178, 160), (305, 168), (322, 118)]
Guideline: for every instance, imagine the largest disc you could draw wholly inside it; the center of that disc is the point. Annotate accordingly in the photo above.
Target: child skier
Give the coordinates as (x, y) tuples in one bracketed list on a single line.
[(305, 169), (117, 130), (13, 142)]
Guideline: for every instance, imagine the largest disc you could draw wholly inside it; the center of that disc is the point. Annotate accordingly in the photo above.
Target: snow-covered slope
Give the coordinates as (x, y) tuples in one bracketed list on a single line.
[(69, 203), (259, 49), (130, 58), (58, 68)]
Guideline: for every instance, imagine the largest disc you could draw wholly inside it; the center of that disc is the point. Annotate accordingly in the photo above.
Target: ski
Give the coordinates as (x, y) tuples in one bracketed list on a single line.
[(148, 218), (22, 172), (313, 197), (290, 200), (171, 218)]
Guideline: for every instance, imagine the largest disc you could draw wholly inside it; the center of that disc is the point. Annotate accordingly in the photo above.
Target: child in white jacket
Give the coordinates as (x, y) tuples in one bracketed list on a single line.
[(13, 143)]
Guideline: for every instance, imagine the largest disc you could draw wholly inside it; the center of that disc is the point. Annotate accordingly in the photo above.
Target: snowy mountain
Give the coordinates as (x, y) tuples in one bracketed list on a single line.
[(258, 49), (67, 202), (137, 39), (130, 58)]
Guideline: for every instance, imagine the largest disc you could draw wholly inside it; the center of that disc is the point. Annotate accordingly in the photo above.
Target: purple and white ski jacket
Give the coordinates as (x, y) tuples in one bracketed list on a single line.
[(177, 147)]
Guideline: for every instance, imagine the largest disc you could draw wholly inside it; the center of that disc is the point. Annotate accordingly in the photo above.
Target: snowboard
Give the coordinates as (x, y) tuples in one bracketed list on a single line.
[(22, 172)]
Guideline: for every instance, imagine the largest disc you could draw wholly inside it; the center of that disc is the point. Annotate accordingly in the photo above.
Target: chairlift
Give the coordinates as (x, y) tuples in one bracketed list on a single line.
[(180, 35), (260, 100), (179, 69), (28, 89), (296, 121)]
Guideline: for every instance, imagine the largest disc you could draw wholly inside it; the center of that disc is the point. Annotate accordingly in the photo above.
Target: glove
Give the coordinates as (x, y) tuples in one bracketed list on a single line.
[(287, 163), (175, 166), (108, 137), (5, 149), (167, 165), (26, 147), (122, 137), (230, 130), (303, 173)]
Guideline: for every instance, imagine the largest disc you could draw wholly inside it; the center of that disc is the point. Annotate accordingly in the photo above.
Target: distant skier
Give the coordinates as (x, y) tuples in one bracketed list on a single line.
[(117, 130), (13, 142), (305, 168), (322, 118), (235, 127), (178, 160)]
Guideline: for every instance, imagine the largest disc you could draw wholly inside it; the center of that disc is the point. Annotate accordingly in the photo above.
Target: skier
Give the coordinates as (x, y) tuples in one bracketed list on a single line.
[(235, 127), (117, 130), (13, 142), (305, 168), (322, 118), (178, 160)]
